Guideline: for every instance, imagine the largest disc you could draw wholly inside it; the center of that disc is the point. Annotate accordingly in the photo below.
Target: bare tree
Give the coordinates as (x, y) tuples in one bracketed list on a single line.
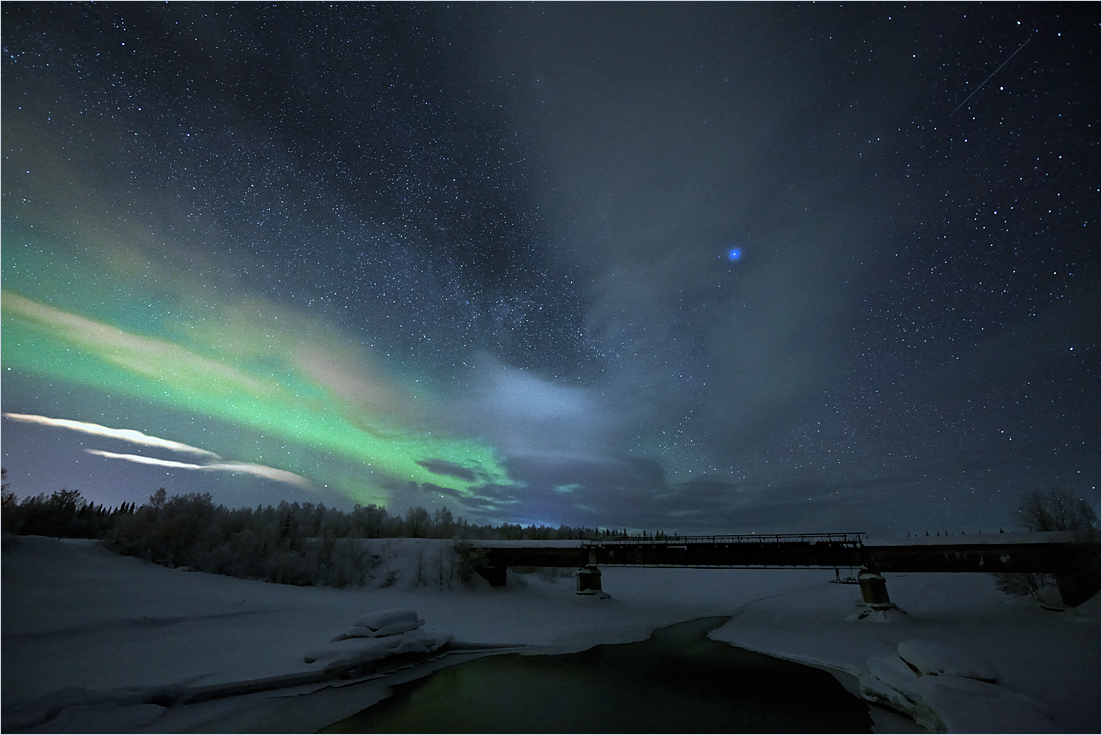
[(1056, 509), (1049, 509)]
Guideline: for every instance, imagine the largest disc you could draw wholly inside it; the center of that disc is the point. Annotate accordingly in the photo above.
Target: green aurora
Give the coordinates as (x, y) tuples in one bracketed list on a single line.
[(248, 363)]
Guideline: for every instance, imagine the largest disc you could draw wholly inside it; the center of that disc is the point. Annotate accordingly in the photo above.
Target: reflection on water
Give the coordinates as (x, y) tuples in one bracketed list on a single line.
[(677, 681)]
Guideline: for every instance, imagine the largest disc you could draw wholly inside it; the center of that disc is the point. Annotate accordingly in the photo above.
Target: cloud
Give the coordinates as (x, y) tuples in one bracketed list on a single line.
[(635, 493), (522, 412), (442, 467), (268, 473), (656, 172), (145, 440), (562, 469), (127, 435)]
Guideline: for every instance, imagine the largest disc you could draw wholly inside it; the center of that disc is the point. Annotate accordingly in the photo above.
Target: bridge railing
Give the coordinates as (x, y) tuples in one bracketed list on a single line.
[(841, 539)]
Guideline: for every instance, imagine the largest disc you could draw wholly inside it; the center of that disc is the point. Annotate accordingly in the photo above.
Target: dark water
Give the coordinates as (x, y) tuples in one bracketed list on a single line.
[(678, 681)]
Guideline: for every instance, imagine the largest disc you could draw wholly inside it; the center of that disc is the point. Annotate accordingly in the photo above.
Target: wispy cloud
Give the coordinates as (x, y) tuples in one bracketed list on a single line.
[(127, 435), (523, 412), (259, 470), (145, 440)]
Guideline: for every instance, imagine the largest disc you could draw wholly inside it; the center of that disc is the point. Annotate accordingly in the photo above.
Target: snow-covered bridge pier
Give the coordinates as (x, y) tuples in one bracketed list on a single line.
[(1072, 558)]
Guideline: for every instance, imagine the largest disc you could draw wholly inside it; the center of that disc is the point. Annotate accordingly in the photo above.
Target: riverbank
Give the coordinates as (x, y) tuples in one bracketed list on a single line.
[(1043, 664), (76, 617)]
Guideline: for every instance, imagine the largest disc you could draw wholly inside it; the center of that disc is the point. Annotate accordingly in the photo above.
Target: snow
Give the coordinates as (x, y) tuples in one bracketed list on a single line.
[(381, 624), (108, 717), (951, 703), (399, 620), (354, 652), (89, 638), (541, 543), (935, 659), (957, 625)]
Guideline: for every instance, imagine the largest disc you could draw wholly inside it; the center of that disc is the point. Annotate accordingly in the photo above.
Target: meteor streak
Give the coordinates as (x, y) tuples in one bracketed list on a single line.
[(985, 81)]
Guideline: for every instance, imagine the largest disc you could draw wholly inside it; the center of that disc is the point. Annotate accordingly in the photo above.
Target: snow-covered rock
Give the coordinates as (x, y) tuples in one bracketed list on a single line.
[(945, 690), (355, 652), (891, 683), (376, 636), (382, 624)]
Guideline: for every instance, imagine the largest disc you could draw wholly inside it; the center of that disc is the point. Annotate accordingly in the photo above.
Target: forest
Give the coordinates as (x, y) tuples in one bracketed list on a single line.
[(311, 544), (290, 543)]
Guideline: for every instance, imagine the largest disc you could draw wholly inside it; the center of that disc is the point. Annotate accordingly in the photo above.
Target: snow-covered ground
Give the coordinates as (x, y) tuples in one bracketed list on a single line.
[(82, 627)]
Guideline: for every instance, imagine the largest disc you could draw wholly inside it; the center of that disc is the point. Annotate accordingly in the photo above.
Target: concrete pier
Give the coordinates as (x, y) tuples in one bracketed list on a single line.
[(495, 575), (874, 590), (588, 581)]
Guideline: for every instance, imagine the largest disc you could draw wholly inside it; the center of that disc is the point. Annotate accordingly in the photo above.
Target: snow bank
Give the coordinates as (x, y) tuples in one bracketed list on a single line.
[(61, 710), (102, 718), (1041, 667), (928, 658)]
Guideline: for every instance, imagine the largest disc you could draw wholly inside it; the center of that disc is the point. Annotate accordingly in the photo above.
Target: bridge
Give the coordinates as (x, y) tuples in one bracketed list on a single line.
[(1071, 558)]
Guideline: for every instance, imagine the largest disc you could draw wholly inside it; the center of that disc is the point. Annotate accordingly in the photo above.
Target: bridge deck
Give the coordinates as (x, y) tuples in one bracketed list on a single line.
[(1033, 552)]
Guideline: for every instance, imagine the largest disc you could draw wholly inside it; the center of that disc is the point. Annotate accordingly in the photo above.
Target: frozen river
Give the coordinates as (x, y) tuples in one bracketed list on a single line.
[(676, 681)]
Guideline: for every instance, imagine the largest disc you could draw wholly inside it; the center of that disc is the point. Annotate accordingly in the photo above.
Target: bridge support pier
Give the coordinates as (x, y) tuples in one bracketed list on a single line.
[(588, 580), (1077, 587), (874, 590), (494, 575)]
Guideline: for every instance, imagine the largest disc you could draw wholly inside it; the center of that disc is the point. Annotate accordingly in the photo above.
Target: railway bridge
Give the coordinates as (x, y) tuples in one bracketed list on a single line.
[(1071, 558)]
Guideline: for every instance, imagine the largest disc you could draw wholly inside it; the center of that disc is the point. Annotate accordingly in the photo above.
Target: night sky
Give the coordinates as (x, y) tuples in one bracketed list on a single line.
[(699, 268)]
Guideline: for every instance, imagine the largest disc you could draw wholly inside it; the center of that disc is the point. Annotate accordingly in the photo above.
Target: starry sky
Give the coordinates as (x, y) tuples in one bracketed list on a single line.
[(715, 267)]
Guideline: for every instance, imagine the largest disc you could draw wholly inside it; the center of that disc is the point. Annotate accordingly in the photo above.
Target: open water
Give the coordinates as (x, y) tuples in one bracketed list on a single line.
[(677, 681)]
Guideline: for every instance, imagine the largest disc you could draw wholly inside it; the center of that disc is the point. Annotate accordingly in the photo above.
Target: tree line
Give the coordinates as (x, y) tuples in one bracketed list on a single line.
[(290, 543), (67, 514), (307, 543)]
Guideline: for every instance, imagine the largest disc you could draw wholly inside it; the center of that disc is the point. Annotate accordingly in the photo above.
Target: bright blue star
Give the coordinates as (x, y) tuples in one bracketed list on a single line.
[(734, 254)]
